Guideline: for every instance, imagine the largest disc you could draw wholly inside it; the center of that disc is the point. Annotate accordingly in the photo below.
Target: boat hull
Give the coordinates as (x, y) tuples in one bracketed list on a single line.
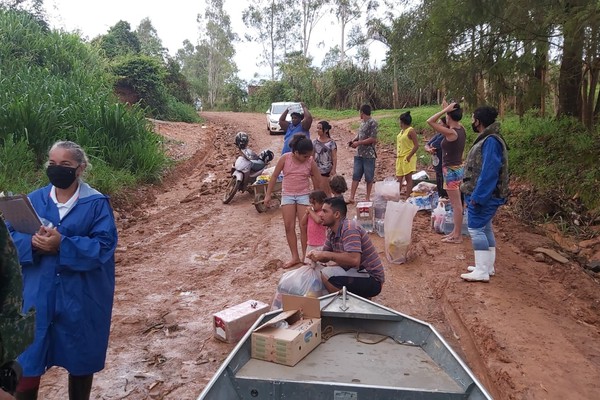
[(368, 352)]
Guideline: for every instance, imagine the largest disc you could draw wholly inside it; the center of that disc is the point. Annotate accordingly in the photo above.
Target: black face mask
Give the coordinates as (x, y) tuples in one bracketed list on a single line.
[(474, 127), (61, 176)]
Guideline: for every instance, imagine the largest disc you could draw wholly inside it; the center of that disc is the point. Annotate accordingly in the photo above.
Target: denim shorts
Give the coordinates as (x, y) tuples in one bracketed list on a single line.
[(363, 166), (301, 199)]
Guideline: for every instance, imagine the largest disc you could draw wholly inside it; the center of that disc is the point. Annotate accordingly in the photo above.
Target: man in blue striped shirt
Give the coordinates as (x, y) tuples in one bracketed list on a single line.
[(358, 266)]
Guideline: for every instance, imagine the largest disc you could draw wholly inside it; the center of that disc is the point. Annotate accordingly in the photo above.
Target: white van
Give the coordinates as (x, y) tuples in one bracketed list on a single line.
[(273, 114)]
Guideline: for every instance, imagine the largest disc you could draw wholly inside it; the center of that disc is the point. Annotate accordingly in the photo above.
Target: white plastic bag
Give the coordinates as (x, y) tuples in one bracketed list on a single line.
[(420, 175), (388, 189), (398, 230), (424, 187), (303, 281)]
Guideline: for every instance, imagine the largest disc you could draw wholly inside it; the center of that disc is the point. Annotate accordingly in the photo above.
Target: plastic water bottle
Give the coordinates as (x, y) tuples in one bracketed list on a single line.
[(379, 227), (437, 216)]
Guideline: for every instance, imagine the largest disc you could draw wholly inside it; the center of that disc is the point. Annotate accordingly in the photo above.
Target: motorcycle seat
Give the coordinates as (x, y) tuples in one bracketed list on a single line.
[(257, 165)]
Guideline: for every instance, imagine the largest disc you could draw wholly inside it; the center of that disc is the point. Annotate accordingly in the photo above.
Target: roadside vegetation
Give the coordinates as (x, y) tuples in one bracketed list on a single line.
[(55, 87)]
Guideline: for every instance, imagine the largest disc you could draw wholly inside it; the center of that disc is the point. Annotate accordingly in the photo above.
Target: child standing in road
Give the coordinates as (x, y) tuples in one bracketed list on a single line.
[(312, 229), (298, 169), (338, 186)]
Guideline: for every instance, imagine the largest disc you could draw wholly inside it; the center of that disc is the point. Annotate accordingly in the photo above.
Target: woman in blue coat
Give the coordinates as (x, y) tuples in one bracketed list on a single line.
[(68, 275)]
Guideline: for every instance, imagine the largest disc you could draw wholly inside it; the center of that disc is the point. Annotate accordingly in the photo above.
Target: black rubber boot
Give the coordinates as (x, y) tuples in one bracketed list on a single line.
[(80, 387), (30, 394)]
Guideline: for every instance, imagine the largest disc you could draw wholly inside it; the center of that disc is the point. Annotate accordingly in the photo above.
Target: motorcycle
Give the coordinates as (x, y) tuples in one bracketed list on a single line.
[(248, 166)]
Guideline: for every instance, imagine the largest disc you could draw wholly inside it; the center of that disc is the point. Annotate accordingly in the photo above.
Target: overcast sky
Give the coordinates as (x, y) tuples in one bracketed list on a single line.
[(175, 21)]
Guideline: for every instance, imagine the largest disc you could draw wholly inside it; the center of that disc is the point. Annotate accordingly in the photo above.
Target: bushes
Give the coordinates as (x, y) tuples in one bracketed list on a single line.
[(555, 154), (145, 76), (55, 87), (17, 167)]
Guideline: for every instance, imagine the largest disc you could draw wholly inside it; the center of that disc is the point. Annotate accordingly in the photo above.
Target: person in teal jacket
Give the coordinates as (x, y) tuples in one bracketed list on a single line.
[(69, 275)]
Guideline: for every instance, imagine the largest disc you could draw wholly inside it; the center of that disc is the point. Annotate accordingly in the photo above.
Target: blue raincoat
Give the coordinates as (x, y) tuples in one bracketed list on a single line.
[(486, 205), (72, 291)]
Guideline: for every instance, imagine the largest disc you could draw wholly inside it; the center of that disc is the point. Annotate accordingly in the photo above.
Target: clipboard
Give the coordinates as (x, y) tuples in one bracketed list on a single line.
[(20, 214)]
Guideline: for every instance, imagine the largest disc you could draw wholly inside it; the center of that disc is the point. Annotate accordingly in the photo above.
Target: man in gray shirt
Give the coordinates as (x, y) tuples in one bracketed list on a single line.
[(364, 161)]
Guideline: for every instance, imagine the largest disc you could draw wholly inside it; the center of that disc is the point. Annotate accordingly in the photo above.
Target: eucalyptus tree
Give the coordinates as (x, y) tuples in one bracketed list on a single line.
[(348, 11), (591, 69), (150, 43), (194, 64), (312, 13), (216, 43), (274, 26)]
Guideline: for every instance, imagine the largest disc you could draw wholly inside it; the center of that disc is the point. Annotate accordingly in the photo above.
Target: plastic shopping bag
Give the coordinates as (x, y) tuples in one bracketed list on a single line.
[(303, 281), (387, 190), (398, 230)]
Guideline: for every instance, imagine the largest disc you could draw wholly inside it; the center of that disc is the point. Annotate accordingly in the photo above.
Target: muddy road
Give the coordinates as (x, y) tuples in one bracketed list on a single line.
[(531, 333)]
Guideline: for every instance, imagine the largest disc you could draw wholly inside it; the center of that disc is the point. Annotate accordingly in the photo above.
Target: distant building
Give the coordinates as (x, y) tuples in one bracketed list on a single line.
[(252, 89)]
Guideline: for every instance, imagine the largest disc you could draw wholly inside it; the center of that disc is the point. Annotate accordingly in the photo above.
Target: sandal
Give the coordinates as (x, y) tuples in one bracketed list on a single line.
[(450, 239)]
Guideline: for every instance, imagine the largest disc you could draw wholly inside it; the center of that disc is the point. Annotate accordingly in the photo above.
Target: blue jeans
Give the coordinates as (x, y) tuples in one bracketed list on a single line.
[(483, 238), (363, 166)]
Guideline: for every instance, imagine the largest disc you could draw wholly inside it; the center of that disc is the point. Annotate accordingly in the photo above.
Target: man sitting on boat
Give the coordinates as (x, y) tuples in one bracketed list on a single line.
[(358, 266)]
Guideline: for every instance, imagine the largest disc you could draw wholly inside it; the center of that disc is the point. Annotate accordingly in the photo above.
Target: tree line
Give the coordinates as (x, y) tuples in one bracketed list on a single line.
[(539, 57)]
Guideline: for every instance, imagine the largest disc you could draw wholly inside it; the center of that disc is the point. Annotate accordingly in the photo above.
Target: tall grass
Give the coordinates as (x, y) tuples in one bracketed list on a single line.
[(55, 87), (556, 154)]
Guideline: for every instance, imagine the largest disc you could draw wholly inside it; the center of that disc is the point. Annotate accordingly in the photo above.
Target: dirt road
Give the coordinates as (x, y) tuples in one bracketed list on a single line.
[(531, 333)]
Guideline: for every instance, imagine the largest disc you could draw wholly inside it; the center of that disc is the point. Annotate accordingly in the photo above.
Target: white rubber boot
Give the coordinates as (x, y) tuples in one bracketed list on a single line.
[(490, 263), (480, 272)]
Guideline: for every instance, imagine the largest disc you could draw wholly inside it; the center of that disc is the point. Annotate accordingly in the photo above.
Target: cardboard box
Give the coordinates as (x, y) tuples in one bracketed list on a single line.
[(231, 324), (299, 335)]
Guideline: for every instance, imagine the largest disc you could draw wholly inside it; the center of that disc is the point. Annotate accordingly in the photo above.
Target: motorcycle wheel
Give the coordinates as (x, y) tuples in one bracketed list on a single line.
[(260, 206), (232, 187)]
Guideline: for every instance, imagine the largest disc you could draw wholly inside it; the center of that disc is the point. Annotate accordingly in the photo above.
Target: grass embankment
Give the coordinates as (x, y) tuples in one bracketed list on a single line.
[(558, 157), (53, 86)]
